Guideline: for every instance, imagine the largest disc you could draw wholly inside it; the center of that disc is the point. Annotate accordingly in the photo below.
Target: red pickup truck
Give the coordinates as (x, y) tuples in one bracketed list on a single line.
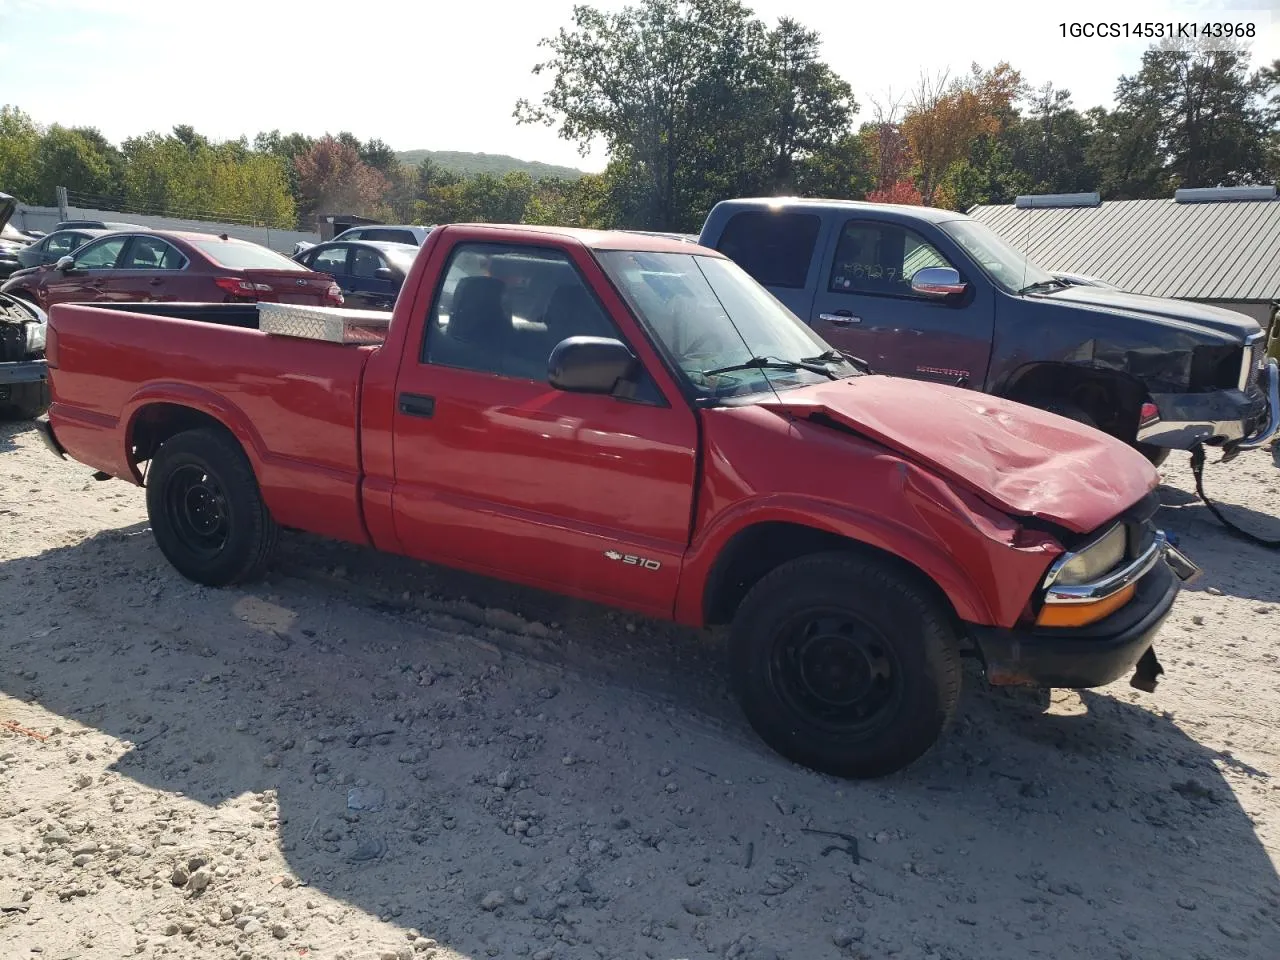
[(633, 420)]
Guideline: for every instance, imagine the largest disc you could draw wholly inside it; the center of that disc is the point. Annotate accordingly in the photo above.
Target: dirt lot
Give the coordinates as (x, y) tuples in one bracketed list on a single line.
[(366, 757)]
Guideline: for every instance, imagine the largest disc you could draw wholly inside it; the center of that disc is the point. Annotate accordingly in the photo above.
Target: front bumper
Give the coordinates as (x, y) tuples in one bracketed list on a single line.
[(1241, 419), (24, 371), (1091, 656)]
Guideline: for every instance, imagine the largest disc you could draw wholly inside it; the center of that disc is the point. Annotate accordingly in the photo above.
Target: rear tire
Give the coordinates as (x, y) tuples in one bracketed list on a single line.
[(26, 401), (206, 511), (845, 666)]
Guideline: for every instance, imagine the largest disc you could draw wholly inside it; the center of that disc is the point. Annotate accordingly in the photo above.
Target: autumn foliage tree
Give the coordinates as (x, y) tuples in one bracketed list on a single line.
[(902, 191), (331, 176), (946, 117)]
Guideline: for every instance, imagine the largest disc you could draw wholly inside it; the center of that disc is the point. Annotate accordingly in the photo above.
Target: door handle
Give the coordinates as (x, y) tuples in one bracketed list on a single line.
[(843, 318), (416, 405), (156, 282)]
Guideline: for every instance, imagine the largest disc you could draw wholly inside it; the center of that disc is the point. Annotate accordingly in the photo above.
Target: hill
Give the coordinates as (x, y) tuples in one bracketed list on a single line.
[(495, 163)]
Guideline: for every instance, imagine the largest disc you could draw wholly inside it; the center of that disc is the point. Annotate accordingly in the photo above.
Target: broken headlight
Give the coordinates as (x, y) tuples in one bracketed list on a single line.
[(35, 338), (1095, 560)]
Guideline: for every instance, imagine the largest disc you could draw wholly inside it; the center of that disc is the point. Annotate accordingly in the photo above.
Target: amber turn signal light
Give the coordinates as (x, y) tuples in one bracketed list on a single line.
[(1083, 614)]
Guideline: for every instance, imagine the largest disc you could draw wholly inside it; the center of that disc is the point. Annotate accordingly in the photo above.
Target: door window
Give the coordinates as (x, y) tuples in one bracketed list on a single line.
[(774, 248), (332, 261), (101, 254), (152, 253), (366, 263), (502, 309), (390, 236), (880, 258), (61, 244)]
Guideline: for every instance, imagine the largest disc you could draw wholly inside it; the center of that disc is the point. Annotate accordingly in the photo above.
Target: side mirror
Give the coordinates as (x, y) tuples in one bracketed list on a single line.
[(384, 273), (938, 282), (590, 365), (65, 264)]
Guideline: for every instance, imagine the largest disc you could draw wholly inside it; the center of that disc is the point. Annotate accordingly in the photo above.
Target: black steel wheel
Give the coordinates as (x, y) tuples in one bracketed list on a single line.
[(845, 664), (835, 667), (206, 511)]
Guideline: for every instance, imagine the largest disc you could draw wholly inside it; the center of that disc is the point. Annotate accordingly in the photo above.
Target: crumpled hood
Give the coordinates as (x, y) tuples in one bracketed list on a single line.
[(1235, 325), (1021, 460)]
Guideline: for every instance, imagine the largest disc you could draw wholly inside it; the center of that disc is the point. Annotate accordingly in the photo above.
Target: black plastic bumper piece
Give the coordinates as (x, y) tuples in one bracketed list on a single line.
[(1091, 656), (50, 438)]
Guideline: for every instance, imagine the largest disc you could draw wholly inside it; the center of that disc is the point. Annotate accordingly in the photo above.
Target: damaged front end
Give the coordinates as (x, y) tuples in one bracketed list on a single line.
[(1097, 613), (24, 376)]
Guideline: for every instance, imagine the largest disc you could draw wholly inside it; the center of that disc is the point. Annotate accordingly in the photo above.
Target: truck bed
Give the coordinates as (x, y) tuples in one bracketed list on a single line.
[(119, 364)]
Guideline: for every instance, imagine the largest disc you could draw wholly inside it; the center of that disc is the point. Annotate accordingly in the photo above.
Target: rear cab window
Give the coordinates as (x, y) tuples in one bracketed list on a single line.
[(776, 249)]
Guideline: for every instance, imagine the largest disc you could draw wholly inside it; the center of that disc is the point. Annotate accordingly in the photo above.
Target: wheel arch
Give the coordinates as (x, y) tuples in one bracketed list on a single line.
[(159, 413), (763, 545), (1113, 398)]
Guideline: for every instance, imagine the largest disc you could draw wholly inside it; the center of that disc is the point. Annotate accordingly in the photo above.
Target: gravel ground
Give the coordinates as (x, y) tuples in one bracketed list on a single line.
[(367, 757)]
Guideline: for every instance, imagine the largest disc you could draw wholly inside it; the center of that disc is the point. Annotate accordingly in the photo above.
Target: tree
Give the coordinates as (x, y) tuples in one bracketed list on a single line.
[(806, 107), (332, 177), (286, 148), (1050, 146), (904, 191), (71, 159), (19, 139), (377, 154), (884, 144), (1206, 111), (946, 118), (584, 202), (694, 100)]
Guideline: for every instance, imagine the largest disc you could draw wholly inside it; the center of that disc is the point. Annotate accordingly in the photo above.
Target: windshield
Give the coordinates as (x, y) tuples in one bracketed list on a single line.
[(1009, 269), (708, 314)]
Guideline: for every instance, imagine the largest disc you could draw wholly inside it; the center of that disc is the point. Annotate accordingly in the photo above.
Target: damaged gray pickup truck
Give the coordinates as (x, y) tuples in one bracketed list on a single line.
[(932, 294), (24, 383)]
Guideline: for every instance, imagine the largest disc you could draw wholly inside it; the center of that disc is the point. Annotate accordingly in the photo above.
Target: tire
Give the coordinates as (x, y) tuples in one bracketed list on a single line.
[(874, 630), (206, 510), (26, 401), (1063, 409)]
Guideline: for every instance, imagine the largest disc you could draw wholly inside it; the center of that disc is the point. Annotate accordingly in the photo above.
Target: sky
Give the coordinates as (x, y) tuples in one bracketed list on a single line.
[(446, 76)]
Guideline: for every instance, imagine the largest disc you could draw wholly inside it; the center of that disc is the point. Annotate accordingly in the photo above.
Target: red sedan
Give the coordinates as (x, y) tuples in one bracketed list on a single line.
[(163, 265)]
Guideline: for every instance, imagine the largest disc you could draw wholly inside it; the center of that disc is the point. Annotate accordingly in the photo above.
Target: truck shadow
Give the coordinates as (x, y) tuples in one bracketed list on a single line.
[(1232, 565), (10, 430), (599, 766)]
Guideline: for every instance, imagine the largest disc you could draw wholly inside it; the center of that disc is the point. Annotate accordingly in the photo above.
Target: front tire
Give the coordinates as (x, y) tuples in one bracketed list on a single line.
[(844, 665), (206, 511)]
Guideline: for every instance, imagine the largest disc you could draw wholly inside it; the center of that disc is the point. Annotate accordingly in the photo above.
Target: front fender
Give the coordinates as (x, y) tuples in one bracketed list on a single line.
[(985, 564)]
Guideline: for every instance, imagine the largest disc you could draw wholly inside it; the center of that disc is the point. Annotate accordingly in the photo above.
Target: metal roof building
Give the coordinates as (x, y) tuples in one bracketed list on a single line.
[(1216, 245)]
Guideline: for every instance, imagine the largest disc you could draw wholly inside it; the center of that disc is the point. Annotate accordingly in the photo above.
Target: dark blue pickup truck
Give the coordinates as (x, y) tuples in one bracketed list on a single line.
[(935, 295)]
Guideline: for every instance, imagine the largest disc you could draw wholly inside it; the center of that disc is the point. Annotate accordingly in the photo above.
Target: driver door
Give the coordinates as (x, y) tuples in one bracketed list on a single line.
[(499, 472), (865, 305), (94, 264)]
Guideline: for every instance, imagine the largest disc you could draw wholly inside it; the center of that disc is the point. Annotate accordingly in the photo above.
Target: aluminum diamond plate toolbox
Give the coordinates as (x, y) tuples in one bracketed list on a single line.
[(334, 324)]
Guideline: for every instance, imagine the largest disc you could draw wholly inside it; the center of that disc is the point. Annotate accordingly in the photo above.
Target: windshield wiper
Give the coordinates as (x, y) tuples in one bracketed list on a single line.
[(839, 356), (772, 363), (1039, 285)]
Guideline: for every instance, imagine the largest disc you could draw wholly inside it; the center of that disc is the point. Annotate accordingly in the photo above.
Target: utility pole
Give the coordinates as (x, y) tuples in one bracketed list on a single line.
[(62, 204)]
